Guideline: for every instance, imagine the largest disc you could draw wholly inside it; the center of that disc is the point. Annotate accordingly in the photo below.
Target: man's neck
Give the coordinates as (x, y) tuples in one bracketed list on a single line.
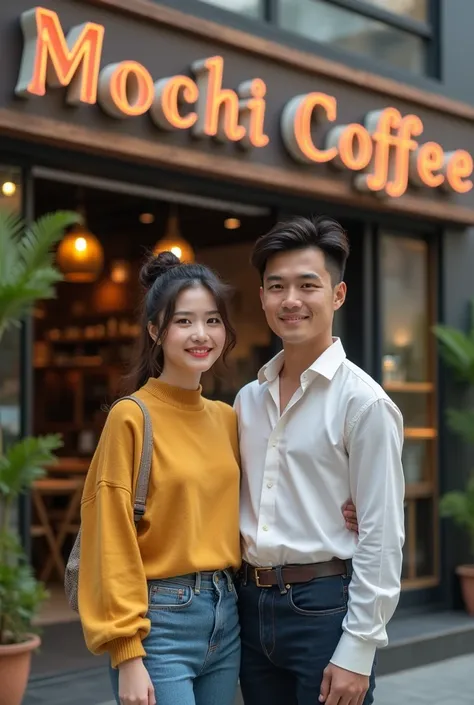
[(299, 357)]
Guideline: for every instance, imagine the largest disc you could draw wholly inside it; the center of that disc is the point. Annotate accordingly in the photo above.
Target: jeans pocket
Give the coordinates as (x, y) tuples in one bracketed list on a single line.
[(162, 596), (320, 597)]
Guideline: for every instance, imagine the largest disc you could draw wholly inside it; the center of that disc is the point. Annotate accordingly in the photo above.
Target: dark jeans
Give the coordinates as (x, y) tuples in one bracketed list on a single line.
[(288, 640)]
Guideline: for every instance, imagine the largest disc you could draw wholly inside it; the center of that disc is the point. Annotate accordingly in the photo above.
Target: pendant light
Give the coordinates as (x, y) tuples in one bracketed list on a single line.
[(173, 241), (80, 255)]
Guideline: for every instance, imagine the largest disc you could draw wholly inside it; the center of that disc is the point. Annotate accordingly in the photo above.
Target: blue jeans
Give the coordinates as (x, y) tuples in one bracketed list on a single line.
[(193, 649), (288, 640)]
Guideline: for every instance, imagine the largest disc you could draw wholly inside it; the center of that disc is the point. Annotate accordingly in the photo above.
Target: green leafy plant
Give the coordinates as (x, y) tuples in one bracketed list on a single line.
[(457, 350), (27, 273)]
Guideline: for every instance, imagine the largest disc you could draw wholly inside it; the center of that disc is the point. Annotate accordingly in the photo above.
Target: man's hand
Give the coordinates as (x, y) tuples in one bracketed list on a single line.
[(350, 516), (341, 687)]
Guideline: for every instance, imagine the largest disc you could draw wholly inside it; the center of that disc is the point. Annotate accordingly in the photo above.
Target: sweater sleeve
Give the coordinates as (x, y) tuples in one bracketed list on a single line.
[(113, 599)]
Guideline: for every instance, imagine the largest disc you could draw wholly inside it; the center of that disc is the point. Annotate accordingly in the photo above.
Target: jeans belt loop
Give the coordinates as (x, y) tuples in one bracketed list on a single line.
[(230, 581), (245, 569), (279, 577), (197, 584)]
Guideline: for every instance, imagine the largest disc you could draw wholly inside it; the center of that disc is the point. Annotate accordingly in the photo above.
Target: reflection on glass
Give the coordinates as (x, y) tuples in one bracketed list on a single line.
[(425, 558), (252, 8), (416, 9), (323, 22), (405, 309), (10, 199), (415, 408), (10, 345), (415, 461)]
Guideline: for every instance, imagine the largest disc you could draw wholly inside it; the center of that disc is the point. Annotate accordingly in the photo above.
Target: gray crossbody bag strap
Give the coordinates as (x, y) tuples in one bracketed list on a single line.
[(71, 576), (141, 493)]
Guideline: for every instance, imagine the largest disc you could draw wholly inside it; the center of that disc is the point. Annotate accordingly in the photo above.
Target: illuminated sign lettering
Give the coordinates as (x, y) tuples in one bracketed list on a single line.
[(383, 153)]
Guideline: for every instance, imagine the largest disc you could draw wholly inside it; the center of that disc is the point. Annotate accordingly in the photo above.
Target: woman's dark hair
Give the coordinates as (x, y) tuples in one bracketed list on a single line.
[(299, 233), (164, 277)]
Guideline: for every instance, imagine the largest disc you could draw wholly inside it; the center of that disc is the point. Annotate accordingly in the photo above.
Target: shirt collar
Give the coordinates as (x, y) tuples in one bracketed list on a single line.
[(326, 364)]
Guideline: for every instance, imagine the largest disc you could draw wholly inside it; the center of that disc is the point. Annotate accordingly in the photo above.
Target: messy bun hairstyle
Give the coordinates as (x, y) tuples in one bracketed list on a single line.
[(163, 278)]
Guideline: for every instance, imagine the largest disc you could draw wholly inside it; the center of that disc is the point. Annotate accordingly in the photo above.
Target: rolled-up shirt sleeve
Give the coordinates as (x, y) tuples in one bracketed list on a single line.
[(377, 485)]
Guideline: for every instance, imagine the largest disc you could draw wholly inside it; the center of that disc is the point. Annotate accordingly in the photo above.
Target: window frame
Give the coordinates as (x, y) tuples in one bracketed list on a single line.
[(428, 489), (427, 32)]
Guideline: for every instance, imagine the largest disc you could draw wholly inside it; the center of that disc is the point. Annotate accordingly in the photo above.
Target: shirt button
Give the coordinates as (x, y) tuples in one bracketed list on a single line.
[(265, 527), (269, 485)]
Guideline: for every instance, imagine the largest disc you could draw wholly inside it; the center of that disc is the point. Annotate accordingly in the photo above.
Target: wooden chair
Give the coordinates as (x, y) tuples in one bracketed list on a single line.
[(54, 532)]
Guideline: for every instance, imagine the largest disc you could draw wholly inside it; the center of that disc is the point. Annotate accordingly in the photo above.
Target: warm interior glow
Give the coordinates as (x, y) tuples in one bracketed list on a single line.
[(80, 244), (232, 223), (8, 188), (147, 218), (177, 251), (120, 271), (80, 256)]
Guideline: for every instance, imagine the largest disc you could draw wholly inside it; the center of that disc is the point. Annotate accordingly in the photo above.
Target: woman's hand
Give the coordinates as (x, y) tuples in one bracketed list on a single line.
[(135, 686), (350, 516)]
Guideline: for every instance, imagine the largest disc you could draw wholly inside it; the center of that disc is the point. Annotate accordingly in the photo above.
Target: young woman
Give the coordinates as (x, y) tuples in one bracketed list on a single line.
[(161, 602)]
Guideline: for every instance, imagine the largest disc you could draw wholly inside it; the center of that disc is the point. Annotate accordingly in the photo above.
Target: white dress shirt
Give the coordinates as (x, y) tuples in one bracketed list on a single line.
[(340, 436)]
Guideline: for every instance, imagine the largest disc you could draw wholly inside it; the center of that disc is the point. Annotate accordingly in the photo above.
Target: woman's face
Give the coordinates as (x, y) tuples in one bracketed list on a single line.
[(195, 337)]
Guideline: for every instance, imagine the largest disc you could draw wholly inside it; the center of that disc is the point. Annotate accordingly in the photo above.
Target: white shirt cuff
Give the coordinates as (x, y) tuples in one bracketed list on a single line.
[(354, 654)]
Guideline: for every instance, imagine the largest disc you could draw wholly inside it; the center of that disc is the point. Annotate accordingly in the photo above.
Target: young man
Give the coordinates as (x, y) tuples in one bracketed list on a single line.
[(315, 429)]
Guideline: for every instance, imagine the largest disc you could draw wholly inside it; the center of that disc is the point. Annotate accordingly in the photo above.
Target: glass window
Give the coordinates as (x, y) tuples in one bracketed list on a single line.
[(10, 199), (252, 8), (406, 318), (350, 31), (10, 344), (416, 9)]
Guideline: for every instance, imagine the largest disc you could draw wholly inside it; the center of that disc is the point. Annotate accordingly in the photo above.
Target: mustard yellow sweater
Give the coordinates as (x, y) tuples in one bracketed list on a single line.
[(192, 516)]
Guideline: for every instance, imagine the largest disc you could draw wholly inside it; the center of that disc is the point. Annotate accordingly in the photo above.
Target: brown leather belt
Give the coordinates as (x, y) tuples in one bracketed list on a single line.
[(267, 577)]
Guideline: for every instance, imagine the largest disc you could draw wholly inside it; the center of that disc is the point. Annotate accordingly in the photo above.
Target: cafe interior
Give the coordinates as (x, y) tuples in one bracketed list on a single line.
[(83, 338)]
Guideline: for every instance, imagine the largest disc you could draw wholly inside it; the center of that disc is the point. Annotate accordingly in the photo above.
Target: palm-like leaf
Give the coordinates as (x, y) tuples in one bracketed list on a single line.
[(27, 273), (462, 423), (24, 463), (36, 245), (459, 506), (26, 262), (457, 349)]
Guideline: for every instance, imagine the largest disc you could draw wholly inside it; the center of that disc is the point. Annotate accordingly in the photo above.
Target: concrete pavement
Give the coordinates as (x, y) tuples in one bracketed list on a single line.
[(446, 683), (441, 683)]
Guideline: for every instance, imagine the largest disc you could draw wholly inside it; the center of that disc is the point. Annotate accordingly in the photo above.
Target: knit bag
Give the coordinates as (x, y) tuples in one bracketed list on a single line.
[(71, 576)]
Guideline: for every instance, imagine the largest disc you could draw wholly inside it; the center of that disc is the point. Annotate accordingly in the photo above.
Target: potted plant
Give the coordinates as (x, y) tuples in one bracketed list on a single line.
[(457, 349), (27, 273)]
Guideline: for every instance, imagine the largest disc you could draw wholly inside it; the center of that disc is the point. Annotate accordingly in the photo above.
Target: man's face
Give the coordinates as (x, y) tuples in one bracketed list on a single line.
[(298, 296)]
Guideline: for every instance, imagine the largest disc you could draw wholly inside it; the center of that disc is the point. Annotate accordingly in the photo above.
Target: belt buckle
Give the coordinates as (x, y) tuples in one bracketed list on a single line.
[(257, 578)]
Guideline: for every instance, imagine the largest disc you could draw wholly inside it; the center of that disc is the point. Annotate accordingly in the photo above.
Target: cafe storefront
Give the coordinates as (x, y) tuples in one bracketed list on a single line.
[(164, 127)]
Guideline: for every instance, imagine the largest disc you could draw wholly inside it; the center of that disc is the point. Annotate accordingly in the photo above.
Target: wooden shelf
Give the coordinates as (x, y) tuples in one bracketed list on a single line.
[(419, 583), (419, 490), (409, 387), (421, 434)]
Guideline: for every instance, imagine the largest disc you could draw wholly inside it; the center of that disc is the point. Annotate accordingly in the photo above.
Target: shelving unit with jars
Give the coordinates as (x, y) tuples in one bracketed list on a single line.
[(407, 312), (78, 369)]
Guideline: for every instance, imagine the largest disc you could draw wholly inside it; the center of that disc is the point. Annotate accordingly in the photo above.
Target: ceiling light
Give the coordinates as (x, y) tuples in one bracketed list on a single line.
[(147, 218), (8, 188), (232, 223)]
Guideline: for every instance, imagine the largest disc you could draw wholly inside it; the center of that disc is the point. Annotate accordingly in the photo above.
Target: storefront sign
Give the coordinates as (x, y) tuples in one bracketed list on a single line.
[(383, 152)]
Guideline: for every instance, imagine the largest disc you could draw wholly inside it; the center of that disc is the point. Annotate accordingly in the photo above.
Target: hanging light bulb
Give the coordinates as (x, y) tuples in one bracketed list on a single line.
[(80, 256), (173, 242), (8, 188)]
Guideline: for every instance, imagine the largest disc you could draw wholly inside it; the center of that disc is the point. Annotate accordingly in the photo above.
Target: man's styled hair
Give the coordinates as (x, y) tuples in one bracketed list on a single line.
[(300, 233)]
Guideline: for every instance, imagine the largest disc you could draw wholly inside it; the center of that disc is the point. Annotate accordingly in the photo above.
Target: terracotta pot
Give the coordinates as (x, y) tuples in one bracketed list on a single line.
[(15, 660), (466, 575)]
